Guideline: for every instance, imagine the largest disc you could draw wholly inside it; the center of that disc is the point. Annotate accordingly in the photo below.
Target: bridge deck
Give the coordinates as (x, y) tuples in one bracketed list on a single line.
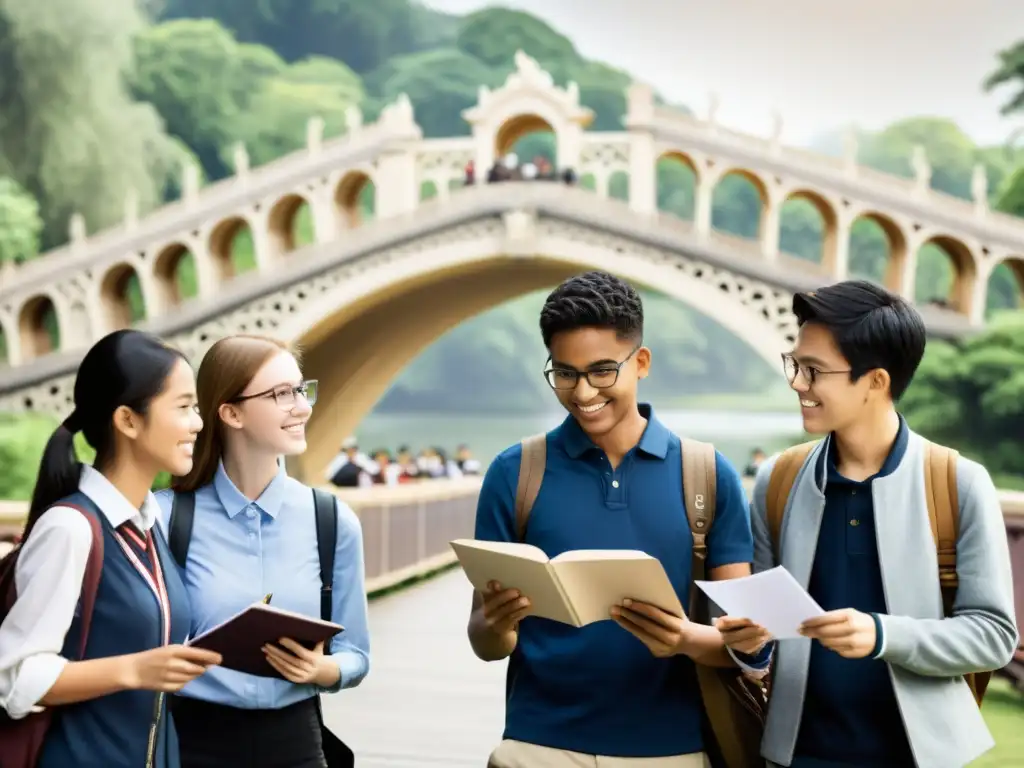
[(428, 701)]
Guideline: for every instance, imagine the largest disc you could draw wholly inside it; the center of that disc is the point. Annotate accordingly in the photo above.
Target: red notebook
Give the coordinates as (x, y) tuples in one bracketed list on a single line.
[(241, 638)]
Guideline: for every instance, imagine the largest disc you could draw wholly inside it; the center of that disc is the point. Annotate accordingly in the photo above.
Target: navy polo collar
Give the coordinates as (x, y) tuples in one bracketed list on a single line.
[(896, 453), (654, 441)]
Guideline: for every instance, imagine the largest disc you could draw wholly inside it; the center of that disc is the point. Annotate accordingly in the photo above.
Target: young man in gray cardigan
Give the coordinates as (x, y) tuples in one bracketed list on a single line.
[(878, 679)]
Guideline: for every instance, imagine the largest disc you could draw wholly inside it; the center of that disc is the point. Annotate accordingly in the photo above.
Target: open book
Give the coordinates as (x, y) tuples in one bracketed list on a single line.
[(577, 587), (240, 639)]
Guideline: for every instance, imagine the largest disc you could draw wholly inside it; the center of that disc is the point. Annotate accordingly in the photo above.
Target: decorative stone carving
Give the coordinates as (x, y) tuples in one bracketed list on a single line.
[(979, 186), (314, 134), (922, 170), (353, 118), (76, 230), (131, 210), (240, 158)]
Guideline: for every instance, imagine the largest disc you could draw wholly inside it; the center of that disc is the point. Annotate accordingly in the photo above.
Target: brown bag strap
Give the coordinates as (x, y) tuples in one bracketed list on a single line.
[(699, 489), (943, 514), (531, 474), (787, 467), (699, 486)]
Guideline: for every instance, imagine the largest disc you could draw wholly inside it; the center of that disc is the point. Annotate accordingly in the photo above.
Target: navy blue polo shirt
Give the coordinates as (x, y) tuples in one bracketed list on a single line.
[(597, 689), (850, 712)]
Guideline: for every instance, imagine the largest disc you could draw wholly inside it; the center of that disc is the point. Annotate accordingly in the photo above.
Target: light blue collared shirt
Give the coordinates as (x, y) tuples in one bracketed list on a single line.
[(242, 550)]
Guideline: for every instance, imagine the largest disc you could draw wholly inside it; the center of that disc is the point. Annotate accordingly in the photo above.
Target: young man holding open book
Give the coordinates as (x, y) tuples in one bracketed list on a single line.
[(877, 518), (621, 691)]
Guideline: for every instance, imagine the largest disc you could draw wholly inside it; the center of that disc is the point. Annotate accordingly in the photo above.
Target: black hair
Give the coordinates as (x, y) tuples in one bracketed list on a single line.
[(127, 368), (872, 327), (593, 299)]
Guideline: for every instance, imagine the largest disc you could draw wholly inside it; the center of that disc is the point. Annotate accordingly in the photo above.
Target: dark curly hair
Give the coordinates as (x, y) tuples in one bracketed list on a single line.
[(593, 300)]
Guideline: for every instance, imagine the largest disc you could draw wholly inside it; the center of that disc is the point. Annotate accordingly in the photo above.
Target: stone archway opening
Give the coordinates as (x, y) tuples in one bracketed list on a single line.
[(232, 248), (291, 224), (121, 297), (945, 274), (1005, 288), (355, 200), (878, 250), (808, 229), (738, 205), (175, 275), (384, 318), (532, 141), (38, 328), (677, 177)]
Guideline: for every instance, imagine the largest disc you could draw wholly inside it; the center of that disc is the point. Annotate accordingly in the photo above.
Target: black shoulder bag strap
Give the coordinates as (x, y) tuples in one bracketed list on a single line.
[(324, 504), (179, 529), (336, 752)]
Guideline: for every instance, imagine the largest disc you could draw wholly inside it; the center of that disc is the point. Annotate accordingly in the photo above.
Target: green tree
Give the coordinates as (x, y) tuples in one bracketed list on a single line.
[(20, 223), (199, 79), (493, 35), (362, 34), (1010, 71), (971, 395), (440, 84), (69, 132)]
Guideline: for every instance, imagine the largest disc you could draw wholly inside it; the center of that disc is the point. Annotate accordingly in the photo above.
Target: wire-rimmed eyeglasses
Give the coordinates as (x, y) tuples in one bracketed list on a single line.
[(285, 395)]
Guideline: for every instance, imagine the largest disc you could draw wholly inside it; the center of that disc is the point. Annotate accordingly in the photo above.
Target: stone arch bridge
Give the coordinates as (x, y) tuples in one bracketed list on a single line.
[(402, 249)]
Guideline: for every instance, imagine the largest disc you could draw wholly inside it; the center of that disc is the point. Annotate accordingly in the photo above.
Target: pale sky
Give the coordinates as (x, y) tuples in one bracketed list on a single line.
[(821, 63)]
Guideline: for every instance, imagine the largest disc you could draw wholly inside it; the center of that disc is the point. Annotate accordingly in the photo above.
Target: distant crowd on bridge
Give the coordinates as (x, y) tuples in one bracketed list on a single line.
[(508, 168), (352, 468), (106, 603)]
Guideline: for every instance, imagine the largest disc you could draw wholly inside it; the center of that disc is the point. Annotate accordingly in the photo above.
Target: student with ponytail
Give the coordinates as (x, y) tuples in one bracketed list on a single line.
[(241, 529), (134, 402)]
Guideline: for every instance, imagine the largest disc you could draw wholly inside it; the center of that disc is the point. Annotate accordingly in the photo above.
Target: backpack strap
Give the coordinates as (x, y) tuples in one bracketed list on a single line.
[(787, 467), (179, 527), (943, 514), (531, 475), (91, 580), (325, 506), (699, 489)]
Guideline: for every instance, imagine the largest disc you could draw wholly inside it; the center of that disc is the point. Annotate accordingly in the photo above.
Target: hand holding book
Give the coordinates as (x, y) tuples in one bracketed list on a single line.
[(504, 608)]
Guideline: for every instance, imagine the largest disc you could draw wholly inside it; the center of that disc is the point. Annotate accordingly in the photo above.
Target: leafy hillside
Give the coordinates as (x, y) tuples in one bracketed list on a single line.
[(201, 75)]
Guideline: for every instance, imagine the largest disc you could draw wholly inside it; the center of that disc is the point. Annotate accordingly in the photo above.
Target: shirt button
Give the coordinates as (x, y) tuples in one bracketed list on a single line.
[(615, 483), (855, 522), (250, 513)]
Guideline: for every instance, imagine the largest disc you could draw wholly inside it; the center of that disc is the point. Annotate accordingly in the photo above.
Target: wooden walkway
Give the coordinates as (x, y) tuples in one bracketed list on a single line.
[(428, 701)]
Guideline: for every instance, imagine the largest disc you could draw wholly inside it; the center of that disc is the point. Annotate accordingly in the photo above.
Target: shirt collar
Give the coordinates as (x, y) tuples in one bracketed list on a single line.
[(234, 501), (654, 441), (899, 448), (115, 507)]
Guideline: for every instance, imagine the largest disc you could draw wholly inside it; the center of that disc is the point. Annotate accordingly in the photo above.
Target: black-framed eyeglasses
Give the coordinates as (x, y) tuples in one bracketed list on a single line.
[(602, 377), (810, 372), (285, 395)]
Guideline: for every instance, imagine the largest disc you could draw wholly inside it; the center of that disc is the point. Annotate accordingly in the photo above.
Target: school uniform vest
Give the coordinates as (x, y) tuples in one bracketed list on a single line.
[(114, 731)]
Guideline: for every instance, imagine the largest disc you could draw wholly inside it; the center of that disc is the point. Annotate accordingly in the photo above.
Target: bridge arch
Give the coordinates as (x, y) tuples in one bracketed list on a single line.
[(383, 317), (122, 296), (40, 326), (175, 274), (518, 126), (282, 221), (347, 193), (965, 272)]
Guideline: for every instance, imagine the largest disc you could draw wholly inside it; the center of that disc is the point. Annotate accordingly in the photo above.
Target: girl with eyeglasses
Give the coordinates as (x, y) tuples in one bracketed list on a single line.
[(94, 637), (254, 536)]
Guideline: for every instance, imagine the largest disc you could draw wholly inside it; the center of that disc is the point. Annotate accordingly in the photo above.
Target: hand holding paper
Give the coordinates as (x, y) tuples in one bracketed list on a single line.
[(772, 599)]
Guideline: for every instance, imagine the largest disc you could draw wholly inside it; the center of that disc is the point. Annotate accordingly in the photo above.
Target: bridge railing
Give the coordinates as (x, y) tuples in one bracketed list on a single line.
[(406, 529)]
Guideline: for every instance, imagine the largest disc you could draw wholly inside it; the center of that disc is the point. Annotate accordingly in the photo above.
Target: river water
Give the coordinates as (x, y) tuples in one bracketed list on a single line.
[(734, 433)]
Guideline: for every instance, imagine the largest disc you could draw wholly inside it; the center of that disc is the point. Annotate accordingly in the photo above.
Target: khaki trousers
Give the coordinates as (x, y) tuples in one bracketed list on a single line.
[(520, 754)]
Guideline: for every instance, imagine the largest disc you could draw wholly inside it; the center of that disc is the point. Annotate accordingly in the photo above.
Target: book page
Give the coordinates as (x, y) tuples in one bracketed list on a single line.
[(597, 580), (514, 566)]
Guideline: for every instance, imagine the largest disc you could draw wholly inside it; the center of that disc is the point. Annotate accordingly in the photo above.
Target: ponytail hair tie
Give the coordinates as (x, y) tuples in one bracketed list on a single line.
[(73, 423)]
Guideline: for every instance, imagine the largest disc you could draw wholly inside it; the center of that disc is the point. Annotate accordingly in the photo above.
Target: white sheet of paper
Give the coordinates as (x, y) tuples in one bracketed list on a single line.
[(771, 598)]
